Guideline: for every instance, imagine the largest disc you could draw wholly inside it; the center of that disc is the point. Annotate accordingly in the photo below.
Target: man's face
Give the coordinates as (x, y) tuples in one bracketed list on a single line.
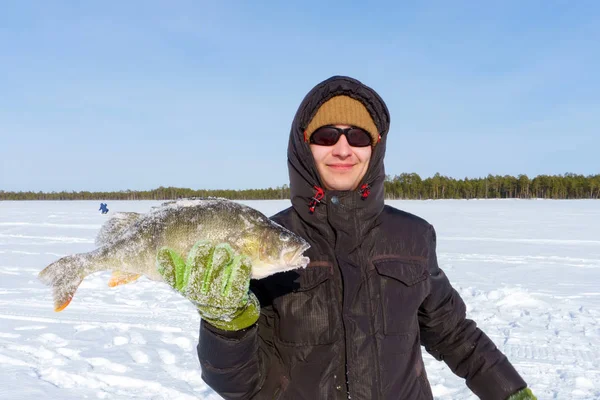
[(341, 166)]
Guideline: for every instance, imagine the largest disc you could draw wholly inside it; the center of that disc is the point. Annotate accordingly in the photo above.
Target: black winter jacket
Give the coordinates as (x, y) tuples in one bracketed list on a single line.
[(352, 323)]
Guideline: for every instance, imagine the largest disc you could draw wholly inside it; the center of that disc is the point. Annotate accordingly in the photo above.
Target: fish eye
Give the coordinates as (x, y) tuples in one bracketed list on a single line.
[(284, 237)]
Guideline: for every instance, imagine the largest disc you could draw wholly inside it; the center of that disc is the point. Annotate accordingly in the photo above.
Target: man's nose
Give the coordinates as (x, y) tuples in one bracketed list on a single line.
[(342, 148)]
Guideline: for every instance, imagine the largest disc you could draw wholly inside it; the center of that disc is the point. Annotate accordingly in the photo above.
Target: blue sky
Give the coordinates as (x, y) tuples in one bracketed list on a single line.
[(120, 95)]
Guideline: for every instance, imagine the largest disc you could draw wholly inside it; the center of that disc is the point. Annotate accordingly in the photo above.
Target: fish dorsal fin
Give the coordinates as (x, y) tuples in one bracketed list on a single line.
[(122, 278), (116, 226)]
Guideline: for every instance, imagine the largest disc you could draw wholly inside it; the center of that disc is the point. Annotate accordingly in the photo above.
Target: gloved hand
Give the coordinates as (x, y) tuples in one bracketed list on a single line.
[(524, 394), (216, 280)]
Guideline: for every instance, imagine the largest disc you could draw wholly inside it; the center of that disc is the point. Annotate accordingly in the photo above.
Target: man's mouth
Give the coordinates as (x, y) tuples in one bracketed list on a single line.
[(341, 167)]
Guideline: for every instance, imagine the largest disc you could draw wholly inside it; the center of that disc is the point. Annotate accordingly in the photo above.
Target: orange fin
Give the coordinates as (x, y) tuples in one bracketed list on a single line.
[(122, 278), (60, 307), (64, 295), (64, 276)]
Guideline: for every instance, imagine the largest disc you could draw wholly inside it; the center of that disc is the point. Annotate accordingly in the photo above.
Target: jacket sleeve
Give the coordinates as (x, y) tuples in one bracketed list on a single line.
[(449, 336), (241, 364), (229, 360)]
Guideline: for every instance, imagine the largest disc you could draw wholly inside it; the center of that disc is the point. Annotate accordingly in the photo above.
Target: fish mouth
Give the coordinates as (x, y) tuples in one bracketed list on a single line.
[(289, 259), (296, 259)]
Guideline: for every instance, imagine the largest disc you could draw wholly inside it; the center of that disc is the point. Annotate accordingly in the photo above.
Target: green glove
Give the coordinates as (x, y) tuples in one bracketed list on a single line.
[(524, 394), (216, 280)]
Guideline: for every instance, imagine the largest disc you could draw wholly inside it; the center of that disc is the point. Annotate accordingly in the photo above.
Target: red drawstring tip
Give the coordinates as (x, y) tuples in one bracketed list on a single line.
[(365, 191), (319, 194)]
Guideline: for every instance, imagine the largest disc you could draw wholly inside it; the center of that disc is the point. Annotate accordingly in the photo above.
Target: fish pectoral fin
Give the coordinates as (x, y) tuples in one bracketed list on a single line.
[(122, 278)]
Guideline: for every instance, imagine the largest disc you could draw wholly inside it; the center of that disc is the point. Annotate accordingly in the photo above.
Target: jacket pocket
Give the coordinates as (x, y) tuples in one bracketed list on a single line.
[(304, 313), (403, 285)]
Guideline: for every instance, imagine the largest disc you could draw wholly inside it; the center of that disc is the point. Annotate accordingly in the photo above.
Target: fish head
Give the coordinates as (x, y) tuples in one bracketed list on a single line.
[(273, 248)]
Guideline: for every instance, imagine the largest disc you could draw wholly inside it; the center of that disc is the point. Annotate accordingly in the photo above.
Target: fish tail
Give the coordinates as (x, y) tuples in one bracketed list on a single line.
[(64, 276)]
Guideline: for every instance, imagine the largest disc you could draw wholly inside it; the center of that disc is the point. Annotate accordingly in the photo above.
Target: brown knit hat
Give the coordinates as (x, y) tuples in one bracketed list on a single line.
[(343, 110)]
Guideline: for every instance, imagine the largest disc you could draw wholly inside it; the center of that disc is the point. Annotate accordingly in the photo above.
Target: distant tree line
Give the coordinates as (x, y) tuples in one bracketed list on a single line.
[(162, 193), (403, 186), (567, 186)]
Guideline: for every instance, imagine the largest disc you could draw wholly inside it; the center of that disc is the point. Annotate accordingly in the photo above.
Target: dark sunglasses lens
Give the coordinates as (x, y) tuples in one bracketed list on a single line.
[(358, 138), (325, 136)]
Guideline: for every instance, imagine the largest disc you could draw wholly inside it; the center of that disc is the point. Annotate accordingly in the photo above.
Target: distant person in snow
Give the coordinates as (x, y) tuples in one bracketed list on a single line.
[(103, 208), (350, 325)]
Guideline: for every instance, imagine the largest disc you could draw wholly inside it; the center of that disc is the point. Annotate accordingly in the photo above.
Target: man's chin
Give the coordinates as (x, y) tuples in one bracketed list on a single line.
[(341, 186)]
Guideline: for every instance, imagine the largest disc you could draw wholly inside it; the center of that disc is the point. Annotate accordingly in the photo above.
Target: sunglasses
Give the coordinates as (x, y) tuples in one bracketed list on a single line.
[(329, 135)]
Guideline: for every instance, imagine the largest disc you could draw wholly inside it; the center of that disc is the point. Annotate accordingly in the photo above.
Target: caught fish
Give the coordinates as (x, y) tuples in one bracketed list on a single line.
[(129, 243)]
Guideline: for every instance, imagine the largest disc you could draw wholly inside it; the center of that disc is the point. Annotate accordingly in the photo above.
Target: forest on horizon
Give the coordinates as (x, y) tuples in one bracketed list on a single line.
[(403, 186)]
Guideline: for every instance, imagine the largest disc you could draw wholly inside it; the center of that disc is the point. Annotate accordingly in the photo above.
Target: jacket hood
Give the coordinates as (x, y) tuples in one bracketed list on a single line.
[(302, 169)]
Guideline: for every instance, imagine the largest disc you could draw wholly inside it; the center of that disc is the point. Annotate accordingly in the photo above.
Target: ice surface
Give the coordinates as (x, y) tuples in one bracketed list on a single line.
[(529, 272)]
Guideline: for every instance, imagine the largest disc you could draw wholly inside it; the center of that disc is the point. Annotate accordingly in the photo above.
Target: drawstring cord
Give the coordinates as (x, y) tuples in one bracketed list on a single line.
[(365, 191), (319, 194)]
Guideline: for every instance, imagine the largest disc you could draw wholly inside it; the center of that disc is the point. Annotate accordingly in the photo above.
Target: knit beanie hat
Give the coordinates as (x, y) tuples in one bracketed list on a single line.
[(343, 110)]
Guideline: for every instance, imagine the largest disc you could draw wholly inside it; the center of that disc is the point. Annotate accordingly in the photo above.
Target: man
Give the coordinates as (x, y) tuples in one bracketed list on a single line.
[(352, 323)]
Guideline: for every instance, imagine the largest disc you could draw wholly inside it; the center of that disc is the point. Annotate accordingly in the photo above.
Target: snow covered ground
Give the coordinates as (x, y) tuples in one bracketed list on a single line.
[(528, 270)]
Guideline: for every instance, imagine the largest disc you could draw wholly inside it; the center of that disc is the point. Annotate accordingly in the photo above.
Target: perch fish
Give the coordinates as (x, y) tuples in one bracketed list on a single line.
[(129, 243)]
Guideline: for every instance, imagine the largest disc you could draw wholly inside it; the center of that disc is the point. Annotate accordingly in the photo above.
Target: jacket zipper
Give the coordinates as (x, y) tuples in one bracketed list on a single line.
[(346, 371)]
